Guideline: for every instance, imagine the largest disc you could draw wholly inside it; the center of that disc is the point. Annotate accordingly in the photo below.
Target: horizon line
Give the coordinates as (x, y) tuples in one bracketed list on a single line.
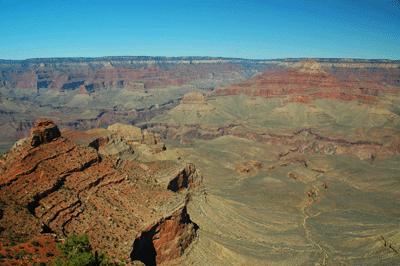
[(198, 57)]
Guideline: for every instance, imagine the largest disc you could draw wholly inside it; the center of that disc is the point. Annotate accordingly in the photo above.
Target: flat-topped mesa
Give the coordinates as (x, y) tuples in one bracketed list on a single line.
[(194, 101), (309, 66), (44, 131), (194, 98)]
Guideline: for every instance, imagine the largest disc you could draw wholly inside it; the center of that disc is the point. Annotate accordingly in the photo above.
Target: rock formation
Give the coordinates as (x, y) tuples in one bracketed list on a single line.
[(302, 98), (61, 187), (304, 82), (194, 102), (87, 93), (43, 132), (159, 243)]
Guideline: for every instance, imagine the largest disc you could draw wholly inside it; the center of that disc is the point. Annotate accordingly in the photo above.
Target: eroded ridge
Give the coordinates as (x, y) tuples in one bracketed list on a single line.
[(59, 187)]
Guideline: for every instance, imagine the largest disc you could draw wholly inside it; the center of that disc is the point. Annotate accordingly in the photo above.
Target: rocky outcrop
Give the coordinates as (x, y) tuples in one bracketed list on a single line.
[(188, 177), (131, 133), (182, 177), (125, 141), (146, 142), (63, 187), (104, 141), (165, 240), (248, 168), (43, 132)]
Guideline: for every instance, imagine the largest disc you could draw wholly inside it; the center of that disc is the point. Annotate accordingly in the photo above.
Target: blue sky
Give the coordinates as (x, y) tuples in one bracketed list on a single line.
[(242, 29)]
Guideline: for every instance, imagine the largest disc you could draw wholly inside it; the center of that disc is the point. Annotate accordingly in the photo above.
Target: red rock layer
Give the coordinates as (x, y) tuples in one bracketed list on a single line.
[(381, 76), (61, 187), (130, 77), (306, 83), (158, 243)]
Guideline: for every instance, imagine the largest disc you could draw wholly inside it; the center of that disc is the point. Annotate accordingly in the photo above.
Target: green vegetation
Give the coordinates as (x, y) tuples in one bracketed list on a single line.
[(15, 238), (77, 251), (35, 243)]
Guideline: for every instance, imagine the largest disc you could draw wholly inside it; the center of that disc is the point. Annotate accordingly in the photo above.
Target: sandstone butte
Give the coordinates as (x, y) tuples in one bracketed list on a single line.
[(194, 101), (55, 184)]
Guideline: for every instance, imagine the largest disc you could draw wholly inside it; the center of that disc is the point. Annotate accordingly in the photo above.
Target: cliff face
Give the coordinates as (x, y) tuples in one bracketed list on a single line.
[(57, 186), (308, 81), (140, 73), (159, 242)]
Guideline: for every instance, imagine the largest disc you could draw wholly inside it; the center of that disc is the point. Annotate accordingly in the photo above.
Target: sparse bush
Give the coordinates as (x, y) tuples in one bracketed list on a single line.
[(35, 243), (78, 252), (18, 256)]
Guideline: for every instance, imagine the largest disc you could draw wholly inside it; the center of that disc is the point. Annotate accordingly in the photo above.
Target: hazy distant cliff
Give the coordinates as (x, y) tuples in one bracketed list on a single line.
[(125, 61), (85, 93)]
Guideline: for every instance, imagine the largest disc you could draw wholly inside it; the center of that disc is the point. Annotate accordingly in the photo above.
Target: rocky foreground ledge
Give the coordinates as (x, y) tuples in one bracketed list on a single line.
[(99, 183)]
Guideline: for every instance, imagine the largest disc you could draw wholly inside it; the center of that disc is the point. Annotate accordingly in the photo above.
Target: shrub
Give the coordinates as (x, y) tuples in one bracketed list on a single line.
[(78, 252), (35, 243), (18, 256)]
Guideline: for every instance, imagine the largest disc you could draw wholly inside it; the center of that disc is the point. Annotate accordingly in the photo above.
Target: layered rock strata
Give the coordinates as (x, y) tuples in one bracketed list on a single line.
[(58, 186)]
